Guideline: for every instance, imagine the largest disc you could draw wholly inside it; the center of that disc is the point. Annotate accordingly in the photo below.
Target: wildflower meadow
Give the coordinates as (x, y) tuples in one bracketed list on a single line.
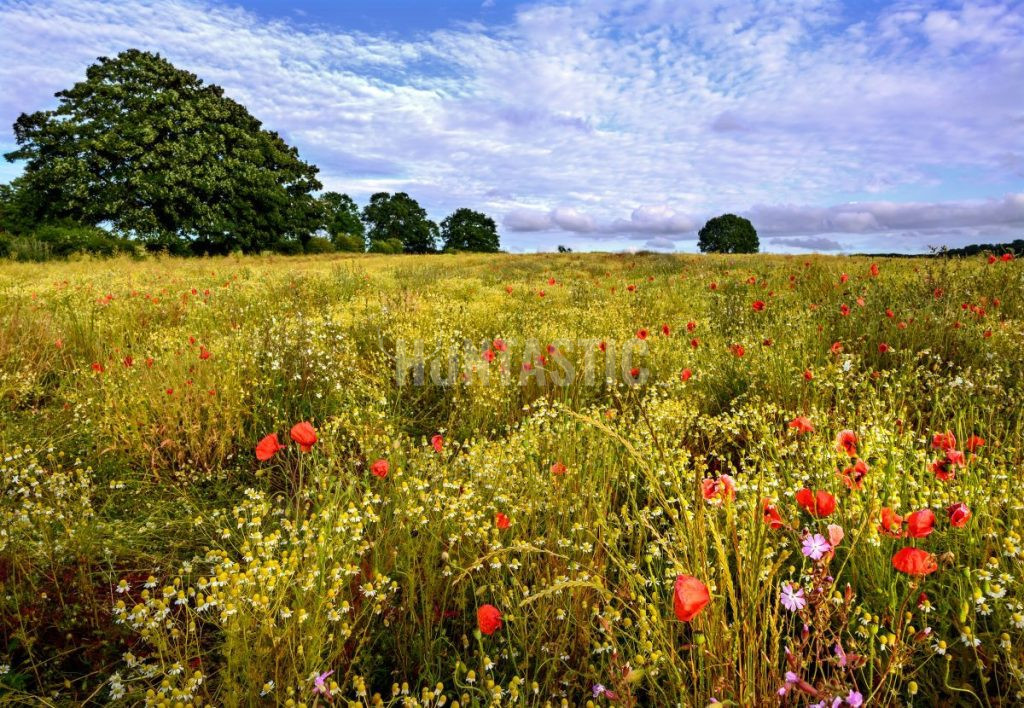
[(546, 480)]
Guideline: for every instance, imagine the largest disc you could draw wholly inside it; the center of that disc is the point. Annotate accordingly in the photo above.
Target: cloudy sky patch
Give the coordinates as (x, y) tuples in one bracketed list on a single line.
[(605, 124)]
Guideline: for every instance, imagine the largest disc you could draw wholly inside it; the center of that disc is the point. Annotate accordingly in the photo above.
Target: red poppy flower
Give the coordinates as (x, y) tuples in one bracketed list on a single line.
[(959, 515), (942, 470), (844, 309), (758, 305), (889, 313), (836, 348), (920, 523), (1006, 257), (603, 346), (666, 331), (268, 447), (685, 375), (98, 367), (738, 350), (558, 469), (914, 561), (488, 619), (499, 344), (992, 259), (714, 286), (772, 517), (641, 334), (819, 503), (892, 523), (974, 442), (128, 361), (304, 435), (634, 373), (59, 343), (501, 521), (380, 468), (853, 476), (631, 288), (883, 347), (846, 442), (843, 278), (690, 326), (874, 270), (808, 374), (488, 355), (204, 353), (149, 362), (718, 490), (802, 424), (689, 598), (694, 342), (944, 441), (437, 442)]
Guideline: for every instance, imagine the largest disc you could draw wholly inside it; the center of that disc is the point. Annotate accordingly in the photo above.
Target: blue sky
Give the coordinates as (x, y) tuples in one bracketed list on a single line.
[(605, 124)]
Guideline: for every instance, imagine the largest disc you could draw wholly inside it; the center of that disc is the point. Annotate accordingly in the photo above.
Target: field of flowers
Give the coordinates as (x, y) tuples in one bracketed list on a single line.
[(517, 480)]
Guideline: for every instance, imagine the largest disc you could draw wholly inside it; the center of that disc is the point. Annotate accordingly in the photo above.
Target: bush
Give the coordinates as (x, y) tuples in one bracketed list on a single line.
[(288, 247), (391, 245), (319, 244), (64, 240), (349, 243)]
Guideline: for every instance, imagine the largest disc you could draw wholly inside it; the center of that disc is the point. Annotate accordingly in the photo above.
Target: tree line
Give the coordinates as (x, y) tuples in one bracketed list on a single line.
[(144, 153)]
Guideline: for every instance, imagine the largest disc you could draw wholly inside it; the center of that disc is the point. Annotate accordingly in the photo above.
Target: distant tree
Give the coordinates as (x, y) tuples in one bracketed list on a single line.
[(155, 152), (728, 233), (468, 230), (399, 216), (564, 249), (341, 221)]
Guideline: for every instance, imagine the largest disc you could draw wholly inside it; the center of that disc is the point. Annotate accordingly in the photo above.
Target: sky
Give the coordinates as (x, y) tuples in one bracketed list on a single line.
[(604, 124)]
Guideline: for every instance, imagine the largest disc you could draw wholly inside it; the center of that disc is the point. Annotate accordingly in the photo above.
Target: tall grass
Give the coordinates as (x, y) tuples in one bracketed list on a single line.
[(147, 556)]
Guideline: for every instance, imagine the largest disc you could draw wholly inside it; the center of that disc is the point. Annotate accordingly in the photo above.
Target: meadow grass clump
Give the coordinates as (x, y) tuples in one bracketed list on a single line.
[(536, 480)]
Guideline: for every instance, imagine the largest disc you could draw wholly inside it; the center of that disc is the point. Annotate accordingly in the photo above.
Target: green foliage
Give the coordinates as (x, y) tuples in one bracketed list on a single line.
[(349, 243), (399, 216), (60, 240), (319, 244), (468, 230), (150, 149), (16, 209), (728, 233), (390, 245), (341, 220)]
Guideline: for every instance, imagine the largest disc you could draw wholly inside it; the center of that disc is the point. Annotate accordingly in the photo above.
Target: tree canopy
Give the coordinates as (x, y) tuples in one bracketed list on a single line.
[(728, 233), (468, 230), (340, 218), (153, 151), (399, 216)]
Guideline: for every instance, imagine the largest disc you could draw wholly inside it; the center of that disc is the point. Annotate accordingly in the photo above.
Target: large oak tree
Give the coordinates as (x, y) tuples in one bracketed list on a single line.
[(153, 151)]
